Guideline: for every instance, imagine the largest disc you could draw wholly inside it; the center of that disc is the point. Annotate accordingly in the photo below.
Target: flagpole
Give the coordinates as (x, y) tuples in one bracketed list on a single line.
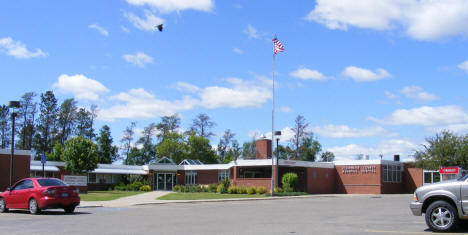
[(273, 125)]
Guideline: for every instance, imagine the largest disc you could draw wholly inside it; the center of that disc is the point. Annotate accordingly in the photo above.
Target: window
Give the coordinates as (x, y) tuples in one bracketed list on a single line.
[(223, 174), (190, 177), (91, 178), (39, 174), (51, 182), (391, 173)]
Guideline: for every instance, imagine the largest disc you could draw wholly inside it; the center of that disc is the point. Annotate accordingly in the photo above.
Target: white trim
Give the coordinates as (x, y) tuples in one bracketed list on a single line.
[(46, 168), (48, 163), (365, 162), (17, 152), (119, 171)]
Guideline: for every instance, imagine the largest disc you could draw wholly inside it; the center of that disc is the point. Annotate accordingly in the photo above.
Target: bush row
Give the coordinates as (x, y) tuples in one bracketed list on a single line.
[(219, 188), (135, 186)]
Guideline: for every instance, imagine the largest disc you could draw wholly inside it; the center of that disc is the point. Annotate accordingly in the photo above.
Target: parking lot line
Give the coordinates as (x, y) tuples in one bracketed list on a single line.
[(402, 232)]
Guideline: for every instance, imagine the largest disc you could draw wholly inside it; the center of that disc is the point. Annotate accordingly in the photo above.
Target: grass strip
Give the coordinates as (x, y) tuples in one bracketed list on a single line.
[(106, 195), (204, 196)]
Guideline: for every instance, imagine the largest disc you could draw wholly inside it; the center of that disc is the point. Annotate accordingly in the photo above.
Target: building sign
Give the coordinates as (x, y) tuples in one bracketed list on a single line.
[(448, 170), (75, 180), (359, 169), (289, 162)]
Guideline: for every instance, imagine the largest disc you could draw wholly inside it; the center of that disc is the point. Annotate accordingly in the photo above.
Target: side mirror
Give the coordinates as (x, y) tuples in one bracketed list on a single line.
[(9, 189)]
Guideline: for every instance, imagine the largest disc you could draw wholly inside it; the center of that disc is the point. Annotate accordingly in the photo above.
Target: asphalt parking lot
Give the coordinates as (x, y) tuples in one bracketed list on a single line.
[(328, 214)]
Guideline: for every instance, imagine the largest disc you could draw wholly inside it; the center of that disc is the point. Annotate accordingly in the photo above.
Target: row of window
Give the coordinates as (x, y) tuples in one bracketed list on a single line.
[(191, 176), (391, 173), (104, 178)]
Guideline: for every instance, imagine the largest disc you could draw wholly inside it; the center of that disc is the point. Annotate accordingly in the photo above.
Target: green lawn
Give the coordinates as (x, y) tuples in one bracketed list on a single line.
[(203, 196), (106, 195)]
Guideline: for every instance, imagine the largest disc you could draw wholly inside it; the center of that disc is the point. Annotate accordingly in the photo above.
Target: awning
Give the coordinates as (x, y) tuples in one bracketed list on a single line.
[(119, 171), (46, 168)]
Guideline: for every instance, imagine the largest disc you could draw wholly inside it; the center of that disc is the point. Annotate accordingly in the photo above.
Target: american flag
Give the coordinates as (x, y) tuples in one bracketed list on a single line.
[(278, 47)]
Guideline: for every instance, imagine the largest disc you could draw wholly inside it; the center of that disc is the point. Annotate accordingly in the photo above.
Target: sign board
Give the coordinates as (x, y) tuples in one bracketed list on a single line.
[(43, 159), (75, 180), (449, 170)]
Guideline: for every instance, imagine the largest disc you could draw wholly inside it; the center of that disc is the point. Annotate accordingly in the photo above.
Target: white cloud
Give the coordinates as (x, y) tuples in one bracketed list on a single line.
[(422, 20), (147, 24), (390, 95), (80, 86), (308, 74), (387, 147), (417, 93), (167, 6), (343, 131), (186, 87), (138, 103), (240, 94), (238, 51), (100, 29), (285, 109), (125, 29), (18, 50), (252, 32), (464, 66), (139, 59), (441, 116), (287, 134), (365, 75)]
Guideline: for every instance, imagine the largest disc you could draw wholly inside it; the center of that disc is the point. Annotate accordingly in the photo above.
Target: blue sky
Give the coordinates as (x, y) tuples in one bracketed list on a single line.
[(370, 77)]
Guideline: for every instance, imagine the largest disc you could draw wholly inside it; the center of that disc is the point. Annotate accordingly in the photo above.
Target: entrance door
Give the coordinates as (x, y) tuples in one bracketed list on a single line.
[(165, 181)]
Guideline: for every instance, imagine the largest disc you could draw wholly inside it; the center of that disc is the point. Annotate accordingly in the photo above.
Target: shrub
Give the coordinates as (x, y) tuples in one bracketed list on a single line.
[(212, 188), (221, 189), (278, 190), (232, 190), (261, 190), (289, 180), (137, 185), (251, 190), (205, 189), (242, 190), (145, 188), (288, 189), (110, 188), (176, 188), (226, 183), (117, 188)]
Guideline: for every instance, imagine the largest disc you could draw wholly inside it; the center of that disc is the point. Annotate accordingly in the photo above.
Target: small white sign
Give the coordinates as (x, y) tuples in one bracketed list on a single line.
[(75, 180)]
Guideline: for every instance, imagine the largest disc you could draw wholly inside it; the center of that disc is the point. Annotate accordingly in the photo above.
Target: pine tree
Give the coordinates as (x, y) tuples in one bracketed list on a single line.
[(47, 123), (5, 129)]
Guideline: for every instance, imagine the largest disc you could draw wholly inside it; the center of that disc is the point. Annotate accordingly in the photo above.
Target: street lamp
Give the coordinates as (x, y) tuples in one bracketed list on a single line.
[(278, 135), (12, 104)]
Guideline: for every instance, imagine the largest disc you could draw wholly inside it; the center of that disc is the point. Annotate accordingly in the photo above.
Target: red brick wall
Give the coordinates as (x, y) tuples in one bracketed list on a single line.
[(256, 182), (207, 176), (263, 148), (21, 167), (358, 182), (323, 182), (181, 177), (412, 178)]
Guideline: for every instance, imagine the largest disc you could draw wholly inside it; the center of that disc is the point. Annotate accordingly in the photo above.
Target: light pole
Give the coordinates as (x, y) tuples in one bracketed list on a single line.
[(12, 104), (277, 134)]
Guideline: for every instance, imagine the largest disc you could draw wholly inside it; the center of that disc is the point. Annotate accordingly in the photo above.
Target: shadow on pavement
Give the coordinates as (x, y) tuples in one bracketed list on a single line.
[(49, 212)]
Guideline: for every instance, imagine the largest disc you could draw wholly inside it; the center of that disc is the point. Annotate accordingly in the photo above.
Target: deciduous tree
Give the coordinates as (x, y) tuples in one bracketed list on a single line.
[(80, 155)]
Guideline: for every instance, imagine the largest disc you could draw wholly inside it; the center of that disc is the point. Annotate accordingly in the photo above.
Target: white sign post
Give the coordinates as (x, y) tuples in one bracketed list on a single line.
[(75, 180)]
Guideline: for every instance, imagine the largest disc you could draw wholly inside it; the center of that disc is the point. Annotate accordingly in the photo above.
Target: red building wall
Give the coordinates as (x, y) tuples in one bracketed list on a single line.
[(207, 176), (412, 178), (323, 182), (255, 182), (351, 179), (21, 168)]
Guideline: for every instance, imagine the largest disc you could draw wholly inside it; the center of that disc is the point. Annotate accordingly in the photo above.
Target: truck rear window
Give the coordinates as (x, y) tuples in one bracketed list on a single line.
[(51, 182)]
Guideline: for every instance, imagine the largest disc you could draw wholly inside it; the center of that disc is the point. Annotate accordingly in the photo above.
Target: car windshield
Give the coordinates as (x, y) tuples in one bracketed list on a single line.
[(463, 178), (51, 182)]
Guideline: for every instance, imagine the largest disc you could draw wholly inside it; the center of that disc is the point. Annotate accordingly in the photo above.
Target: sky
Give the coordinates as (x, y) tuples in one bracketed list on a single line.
[(370, 77)]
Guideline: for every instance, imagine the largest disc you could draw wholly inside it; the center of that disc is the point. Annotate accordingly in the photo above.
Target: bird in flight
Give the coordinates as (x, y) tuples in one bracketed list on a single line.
[(160, 27)]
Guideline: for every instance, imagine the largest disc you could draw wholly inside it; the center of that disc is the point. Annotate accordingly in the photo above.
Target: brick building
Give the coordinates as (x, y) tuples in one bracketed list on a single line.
[(351, 177)]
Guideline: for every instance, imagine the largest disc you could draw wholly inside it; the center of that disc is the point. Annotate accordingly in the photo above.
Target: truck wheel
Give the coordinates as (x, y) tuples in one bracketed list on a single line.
[(441, 216)]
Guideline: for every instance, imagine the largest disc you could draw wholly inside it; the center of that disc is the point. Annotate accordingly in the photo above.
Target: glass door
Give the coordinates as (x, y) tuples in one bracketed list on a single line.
[(165, 181), (161, 181), (169, 181)]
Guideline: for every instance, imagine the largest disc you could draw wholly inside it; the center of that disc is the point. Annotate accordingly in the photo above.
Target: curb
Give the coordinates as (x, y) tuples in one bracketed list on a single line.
[(88, 206)]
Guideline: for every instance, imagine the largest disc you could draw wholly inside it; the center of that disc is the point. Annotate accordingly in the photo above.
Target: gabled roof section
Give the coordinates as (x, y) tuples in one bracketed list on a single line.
[(165, 161), (190, 162)]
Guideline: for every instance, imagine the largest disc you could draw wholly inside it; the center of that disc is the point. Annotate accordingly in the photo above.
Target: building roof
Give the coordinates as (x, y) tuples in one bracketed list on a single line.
[(17, 152)]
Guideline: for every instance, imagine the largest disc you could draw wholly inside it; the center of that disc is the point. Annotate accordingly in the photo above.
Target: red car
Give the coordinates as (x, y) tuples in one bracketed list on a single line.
[(37, 194)]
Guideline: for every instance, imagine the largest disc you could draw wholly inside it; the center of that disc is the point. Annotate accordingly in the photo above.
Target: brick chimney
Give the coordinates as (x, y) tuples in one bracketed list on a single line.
[(263, 146)]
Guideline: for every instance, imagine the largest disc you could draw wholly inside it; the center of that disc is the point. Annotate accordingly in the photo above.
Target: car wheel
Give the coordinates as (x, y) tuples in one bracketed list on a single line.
[(3, 206), (441, 216), (69, 209), (33, 207)]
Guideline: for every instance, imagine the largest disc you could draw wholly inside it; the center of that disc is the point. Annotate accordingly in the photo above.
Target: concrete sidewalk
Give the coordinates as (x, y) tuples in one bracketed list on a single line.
[(144, 198)]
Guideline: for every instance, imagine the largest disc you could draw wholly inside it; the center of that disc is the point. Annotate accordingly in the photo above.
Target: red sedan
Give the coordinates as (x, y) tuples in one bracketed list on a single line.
[(37, 194)]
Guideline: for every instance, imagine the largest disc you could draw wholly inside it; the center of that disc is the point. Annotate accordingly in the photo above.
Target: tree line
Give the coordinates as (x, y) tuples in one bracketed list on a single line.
[(63, 130)]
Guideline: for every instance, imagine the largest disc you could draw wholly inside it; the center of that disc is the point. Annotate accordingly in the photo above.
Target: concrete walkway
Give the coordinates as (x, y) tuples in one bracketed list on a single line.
[(144, 198)]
